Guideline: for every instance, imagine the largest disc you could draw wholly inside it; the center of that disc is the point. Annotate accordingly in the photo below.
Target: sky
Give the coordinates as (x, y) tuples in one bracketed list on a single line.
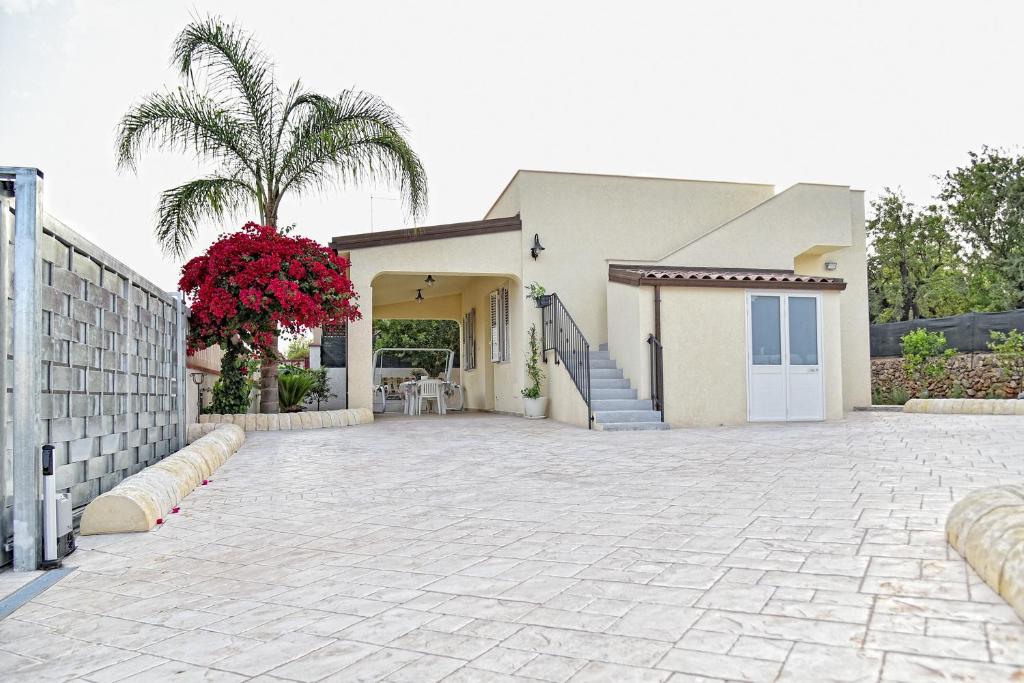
[(866, 94)]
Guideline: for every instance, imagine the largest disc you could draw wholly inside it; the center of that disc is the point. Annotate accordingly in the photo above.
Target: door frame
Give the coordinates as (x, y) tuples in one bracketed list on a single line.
[(784, 295)]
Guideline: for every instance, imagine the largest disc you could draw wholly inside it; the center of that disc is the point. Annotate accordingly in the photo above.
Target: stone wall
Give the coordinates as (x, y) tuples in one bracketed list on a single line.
[(976, 373)]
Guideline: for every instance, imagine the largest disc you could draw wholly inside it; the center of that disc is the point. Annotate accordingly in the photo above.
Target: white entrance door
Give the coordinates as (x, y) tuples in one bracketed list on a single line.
[(785, 379)]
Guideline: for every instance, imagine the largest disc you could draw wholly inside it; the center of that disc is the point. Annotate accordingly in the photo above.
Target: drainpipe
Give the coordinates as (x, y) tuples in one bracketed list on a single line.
[(657, 311)]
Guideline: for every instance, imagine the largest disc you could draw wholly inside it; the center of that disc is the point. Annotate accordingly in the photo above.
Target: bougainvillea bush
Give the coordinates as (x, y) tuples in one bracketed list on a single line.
[(256, 283), (259, 282)]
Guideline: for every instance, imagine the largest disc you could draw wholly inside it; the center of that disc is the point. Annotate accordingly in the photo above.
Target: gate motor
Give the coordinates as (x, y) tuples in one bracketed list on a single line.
[(58, 530)]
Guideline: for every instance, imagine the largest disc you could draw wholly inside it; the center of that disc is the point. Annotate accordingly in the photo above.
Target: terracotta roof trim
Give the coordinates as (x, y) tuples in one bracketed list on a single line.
[(425, 233), (753, 278)]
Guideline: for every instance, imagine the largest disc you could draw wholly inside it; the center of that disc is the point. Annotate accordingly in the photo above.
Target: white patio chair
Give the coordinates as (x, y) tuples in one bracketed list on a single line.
[(431, 390)]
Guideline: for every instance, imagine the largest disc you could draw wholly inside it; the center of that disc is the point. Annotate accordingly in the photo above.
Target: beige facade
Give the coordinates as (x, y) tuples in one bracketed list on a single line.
[(586, 223)]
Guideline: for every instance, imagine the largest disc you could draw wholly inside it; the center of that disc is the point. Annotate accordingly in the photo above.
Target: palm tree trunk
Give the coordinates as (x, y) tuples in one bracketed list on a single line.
[(268, 369)]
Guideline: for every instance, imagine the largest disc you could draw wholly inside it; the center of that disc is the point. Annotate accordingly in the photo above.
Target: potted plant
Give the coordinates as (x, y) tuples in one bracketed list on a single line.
[(292, 386), (534, 405), (538, 294)]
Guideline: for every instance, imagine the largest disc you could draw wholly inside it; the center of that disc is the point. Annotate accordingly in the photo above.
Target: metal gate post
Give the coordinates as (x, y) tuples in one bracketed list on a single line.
[(28, 223), (6, 221), (180, 358)]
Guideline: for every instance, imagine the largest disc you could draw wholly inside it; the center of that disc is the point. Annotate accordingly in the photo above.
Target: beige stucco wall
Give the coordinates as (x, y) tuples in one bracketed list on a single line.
[(705, 336), (631, 312), (565, 404), (800, 229), (586, 220)]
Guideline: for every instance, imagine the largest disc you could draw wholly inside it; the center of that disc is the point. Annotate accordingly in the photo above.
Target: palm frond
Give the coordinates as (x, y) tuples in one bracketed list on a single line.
[(235, 64), (183, 208), (349, 139), (183, 120)]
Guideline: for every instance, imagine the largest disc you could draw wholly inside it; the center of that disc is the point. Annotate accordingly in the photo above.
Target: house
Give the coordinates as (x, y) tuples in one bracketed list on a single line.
[(676, 302)]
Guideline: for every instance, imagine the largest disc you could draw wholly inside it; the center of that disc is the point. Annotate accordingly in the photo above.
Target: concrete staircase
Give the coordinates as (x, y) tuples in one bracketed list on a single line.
[(614, 402)]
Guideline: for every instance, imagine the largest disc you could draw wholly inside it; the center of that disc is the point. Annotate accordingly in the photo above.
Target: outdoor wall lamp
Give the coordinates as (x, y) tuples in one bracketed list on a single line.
[(419, 296), (831, 265), (536, 248), (197, 379), (430, 281)]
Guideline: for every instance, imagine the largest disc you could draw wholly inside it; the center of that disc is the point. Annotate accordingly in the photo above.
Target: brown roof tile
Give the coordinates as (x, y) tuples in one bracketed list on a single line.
[(719, 277)]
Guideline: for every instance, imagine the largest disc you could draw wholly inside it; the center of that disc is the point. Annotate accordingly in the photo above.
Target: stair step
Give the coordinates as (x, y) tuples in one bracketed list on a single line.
[(599, 355), (600, 383), (607, 404), (602, 363), (602, 347), (605, 373), (648, 415), (602, 394), (633, 426)]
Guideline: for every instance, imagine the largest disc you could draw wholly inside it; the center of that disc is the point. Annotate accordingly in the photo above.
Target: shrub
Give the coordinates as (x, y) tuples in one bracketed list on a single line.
[(924, 357), (233, 388), (1008, 348), (894, 396), (533, 370), (292, 390)]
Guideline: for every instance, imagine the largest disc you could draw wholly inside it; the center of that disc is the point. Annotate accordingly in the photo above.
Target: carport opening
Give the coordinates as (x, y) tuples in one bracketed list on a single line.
[(394, 367)]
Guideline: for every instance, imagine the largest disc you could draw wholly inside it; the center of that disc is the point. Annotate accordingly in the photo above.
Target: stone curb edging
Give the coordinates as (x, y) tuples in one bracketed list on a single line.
[(987, 528), (286, 421), (965, 406), (141, 499)]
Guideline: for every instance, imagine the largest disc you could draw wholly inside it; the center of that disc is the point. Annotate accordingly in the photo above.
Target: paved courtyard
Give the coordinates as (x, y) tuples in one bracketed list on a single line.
[(477, 548)]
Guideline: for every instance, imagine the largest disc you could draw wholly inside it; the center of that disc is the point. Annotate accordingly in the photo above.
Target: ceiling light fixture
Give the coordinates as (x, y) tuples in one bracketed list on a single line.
[(430, 281), (419, 296)]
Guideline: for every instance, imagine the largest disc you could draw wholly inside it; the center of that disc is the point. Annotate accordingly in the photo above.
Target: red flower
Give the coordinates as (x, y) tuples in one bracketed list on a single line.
[(242, 286)]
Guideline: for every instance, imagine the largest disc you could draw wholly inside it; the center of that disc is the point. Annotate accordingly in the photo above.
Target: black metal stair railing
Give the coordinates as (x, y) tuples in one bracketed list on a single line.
[(561, 334)]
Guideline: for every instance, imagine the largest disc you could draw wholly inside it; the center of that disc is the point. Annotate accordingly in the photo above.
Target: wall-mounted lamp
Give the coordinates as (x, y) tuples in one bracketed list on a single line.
[(537, 247), (197, 379), (430, 281), (831, 265), (419, 296)]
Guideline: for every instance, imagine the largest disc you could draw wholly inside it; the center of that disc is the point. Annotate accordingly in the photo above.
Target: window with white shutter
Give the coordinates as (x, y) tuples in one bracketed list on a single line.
[(500, 326), (495, 340), (469, 340)]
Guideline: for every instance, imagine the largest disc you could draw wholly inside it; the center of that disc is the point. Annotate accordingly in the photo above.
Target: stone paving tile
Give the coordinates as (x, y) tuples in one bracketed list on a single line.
[(474, 548)]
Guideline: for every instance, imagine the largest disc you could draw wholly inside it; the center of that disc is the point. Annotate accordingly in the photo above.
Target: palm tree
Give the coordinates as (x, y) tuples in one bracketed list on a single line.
[(261, 142)]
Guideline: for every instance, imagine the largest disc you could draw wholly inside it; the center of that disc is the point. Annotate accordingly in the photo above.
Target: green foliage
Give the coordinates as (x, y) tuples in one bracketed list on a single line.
[(298, 348), (964, 254), (259, 141), (431, 334), (914, 269), (895, 396), (1008, 348), (321, 390), (924, 356), (292, 389), (985, 204), (533, 370), (535, 291), (232, 390)]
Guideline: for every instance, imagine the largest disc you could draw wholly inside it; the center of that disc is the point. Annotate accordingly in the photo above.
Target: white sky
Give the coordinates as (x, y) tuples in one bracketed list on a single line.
[(869, 94)]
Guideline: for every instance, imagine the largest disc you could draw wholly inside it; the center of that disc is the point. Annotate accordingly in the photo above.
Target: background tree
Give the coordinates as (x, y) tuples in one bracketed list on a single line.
[(985, 204), (914, 267), (298, 348), (433, 334), (262, 142)]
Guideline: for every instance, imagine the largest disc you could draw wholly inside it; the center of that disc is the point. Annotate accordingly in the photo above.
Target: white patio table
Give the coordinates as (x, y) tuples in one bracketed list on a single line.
[(410, 398)]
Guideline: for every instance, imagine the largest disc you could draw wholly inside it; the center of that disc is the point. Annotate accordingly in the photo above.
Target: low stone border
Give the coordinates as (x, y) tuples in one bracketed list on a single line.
[(967, 406), (305, 420), (987, 528), (141, 499)]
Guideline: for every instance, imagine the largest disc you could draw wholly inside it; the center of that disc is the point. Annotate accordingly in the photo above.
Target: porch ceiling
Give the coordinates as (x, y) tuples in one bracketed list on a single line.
[(401, 288)]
